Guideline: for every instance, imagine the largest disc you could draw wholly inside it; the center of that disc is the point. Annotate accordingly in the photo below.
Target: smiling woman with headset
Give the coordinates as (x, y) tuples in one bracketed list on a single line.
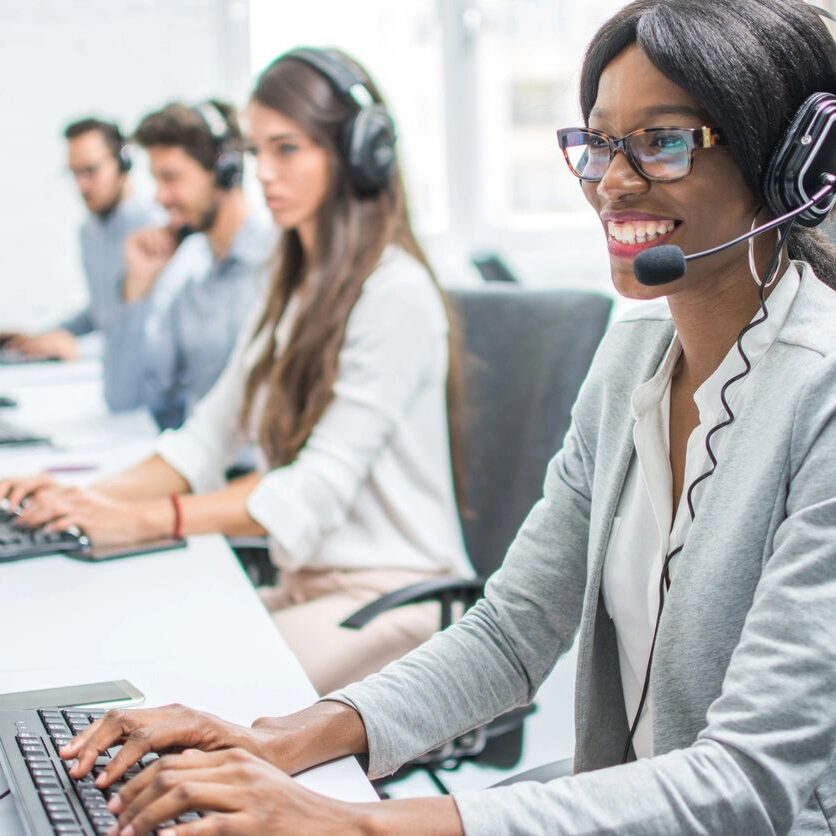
[(687, 527), (341, 381)]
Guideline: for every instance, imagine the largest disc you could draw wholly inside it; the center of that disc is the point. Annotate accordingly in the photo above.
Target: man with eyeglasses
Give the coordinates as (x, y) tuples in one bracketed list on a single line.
[(99, 163)]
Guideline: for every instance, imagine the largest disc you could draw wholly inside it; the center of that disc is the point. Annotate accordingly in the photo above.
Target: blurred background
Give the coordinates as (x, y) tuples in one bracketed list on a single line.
[(477, 88)]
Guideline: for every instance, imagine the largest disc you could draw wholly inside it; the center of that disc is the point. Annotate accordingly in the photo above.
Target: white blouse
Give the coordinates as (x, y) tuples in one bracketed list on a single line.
[(372, 487), (645, 529)]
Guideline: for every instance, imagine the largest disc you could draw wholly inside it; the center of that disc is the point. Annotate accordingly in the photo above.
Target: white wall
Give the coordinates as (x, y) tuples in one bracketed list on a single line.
[(61, 59)]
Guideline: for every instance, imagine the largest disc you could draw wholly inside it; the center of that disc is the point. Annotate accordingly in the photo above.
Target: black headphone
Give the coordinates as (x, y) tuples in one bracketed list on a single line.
[(802, 160), (367, 138), (229, 162), (804, 157), (117, 141), (124, 159)]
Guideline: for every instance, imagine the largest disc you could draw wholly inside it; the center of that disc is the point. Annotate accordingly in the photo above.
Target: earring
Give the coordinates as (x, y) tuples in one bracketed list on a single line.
[(753, 268)]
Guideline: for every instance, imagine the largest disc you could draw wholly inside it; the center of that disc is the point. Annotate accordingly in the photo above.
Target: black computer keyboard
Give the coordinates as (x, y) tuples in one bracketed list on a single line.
[(48, 800), (12, 435), (17, 542)]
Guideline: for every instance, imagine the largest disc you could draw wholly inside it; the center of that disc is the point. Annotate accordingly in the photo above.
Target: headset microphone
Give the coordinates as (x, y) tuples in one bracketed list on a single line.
[(667, 263), (798, 187)]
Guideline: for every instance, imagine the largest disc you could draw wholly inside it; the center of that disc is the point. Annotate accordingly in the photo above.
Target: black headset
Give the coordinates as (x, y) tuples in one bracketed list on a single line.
[(804, 158), (229, 161), (367, 138), (802, 161), (124, 159), (121, 153)]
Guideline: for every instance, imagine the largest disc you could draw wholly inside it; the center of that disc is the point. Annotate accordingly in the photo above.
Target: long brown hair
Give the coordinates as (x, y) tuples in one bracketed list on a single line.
[(352, 231)]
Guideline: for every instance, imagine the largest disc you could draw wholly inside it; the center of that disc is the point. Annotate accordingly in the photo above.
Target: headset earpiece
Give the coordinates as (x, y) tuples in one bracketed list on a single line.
[(805, 154), (367, 138), (367, 143), (229, 163), (124, 159), (229, 170)]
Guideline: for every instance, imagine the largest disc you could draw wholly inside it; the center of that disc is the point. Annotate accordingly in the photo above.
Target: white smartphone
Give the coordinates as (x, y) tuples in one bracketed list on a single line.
[(116, 693)]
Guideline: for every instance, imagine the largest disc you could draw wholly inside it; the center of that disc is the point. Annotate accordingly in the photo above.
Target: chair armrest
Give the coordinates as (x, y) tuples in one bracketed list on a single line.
[(445, 590), (254, 542), (543, 774), (254, 556)]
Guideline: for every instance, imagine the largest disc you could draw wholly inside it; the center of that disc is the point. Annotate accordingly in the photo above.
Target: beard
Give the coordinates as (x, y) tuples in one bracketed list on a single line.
[(103, 212), (208, 218)]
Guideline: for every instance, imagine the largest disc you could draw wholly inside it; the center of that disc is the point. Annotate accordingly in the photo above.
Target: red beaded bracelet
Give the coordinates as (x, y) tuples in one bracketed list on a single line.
[(178, 516)]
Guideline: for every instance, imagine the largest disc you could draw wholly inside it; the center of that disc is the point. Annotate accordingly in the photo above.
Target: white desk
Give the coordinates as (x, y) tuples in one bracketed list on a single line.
[(183, 626), (64, 402)]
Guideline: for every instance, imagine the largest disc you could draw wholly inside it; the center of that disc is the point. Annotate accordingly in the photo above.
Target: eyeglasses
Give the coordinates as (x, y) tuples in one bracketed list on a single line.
[(87, 172), (659, 154)]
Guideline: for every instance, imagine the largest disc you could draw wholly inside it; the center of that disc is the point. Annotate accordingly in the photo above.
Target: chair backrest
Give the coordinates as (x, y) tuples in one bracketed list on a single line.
[(527, 352)]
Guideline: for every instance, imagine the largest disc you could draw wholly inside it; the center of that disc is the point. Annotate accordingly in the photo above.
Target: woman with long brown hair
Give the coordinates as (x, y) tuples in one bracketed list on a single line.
[(340, 381)]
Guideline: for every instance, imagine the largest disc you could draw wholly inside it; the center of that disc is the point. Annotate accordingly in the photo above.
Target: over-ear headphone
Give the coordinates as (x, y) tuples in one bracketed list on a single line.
[(367, 138), (229, 162), (805, 155), (116, 139), (802, 159), (124, 159)]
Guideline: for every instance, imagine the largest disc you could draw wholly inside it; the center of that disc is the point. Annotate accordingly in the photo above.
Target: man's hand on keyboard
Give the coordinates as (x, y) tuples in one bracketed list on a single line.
[(57, 343), (249, 795), (147, 730)]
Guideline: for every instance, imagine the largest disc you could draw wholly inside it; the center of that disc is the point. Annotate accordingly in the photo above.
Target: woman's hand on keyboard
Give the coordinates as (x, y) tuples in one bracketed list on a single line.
[(15, 489), (249, 796), (106, 521), (143, 731)]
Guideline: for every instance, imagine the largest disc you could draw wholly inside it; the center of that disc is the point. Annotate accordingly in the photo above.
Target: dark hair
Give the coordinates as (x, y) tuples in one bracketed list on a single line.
[(749, 63), (352, 231), (109, 132), (178, 125)]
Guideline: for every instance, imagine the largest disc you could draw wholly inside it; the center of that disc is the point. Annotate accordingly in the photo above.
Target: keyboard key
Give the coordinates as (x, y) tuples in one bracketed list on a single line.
[(44, 783), (62, 816), (187, 817)]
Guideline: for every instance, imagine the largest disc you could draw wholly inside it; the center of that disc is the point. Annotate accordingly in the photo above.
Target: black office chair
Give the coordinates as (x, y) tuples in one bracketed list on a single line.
[(527, 352), (492, 267)]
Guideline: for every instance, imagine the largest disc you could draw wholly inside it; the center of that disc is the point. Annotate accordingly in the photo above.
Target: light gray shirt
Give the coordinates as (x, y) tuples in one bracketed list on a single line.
[(187, 344), (101, 240), (744, 673)]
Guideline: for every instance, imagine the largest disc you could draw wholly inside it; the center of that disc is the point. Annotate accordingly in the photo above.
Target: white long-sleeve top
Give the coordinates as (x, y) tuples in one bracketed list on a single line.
[(645, 528), (372, 487)]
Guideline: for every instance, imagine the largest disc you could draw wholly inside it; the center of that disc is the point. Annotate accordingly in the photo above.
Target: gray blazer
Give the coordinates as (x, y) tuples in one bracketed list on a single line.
[(744, 676)]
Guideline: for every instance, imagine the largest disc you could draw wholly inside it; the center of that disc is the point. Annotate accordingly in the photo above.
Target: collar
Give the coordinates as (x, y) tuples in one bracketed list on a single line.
[(756, 343), (252, 242), (648, 395)]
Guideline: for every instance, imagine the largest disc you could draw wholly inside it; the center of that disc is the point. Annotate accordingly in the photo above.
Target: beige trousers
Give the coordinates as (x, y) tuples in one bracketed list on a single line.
[(308, 607)]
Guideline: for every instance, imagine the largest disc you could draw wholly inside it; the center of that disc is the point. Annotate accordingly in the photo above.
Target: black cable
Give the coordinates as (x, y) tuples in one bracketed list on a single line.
[(4, 794), (664, 577)]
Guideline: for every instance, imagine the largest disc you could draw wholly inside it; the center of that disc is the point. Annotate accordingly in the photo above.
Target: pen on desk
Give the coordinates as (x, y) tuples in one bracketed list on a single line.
[(72, 468)]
